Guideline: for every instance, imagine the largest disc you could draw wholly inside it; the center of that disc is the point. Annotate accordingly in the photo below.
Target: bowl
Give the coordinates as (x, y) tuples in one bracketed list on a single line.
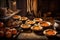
[(36, 28), (50, 32), (29, 22), (24, 18), (46, 25), (25, 26), (37, 19), (17, 17)]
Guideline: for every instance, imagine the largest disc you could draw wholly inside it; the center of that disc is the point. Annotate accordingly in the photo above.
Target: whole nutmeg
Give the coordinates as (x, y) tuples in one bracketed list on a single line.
[(14, 31), (8, 34), (1, 24), (10, 30), (1, 33)]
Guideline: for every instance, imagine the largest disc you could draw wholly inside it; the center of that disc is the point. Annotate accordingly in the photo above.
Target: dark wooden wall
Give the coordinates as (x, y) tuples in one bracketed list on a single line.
[(49, 5), (43, 6), (21, 5), (3, 3)]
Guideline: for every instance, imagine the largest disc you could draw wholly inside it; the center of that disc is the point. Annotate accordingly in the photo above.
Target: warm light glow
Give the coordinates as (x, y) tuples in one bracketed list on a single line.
[(14, 3), (32, 6)]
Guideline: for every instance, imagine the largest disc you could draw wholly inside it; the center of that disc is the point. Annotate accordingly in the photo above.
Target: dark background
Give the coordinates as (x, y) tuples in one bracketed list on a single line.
[(43, 6)]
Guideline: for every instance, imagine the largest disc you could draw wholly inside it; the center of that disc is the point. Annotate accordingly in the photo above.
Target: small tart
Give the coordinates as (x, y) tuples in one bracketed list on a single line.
[(16, 17), (30, 22), (25, 26), (50, 32), (45, 24), (24, 18), (37, 19), (37, 27)]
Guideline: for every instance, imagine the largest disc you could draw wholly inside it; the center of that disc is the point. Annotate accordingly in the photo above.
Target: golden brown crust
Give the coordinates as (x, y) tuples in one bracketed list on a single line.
[(25, 26), (38, 19), (24, 18), (44, 24), (37, 28), (50, 32), (16, 16)]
